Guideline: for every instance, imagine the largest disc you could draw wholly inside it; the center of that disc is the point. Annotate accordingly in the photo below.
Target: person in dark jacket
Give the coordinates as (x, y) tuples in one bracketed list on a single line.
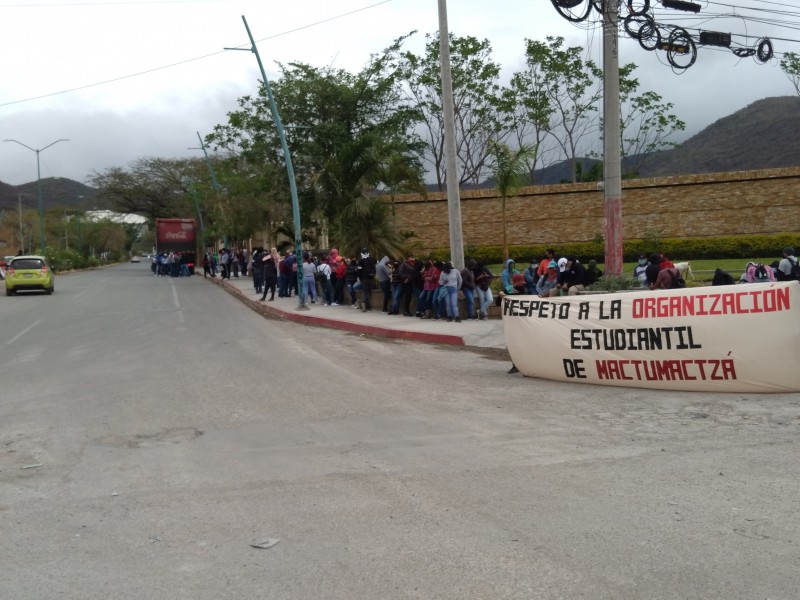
[(407, 274), (269, 272), (468, 288), (652, 269), (258, 270), (351, 279), (571, 280), (366, 277)]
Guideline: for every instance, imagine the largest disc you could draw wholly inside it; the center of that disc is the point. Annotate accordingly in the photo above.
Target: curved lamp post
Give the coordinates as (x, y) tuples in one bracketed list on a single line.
[(39, 185), (289, 169)]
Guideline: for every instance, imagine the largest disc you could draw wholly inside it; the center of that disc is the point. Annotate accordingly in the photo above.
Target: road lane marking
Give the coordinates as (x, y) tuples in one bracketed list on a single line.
[(181, 319), (23, 332)]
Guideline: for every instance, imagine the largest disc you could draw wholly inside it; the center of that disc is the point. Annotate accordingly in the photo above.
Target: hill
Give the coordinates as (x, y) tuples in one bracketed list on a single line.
[(762, 135), (57, 192)]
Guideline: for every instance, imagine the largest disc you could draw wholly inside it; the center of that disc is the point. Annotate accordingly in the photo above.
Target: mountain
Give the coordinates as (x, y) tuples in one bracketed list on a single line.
[(762, 135), (57, 192)]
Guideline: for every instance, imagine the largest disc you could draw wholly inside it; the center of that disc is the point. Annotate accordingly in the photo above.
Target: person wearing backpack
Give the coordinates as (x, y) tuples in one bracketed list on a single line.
[(758, 273), (788, 268), (324, 274), (366, 277)]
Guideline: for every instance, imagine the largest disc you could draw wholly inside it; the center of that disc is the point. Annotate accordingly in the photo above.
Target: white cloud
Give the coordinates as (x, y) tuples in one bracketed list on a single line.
[(63, 44)]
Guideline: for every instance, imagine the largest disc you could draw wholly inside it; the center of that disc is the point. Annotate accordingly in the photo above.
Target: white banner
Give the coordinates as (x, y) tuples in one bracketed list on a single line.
[(741, 338)]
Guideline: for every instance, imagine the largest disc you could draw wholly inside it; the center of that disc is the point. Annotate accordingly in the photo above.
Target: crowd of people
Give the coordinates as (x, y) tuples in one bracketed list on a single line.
[(431, 289), (172, 264), (412, 287)]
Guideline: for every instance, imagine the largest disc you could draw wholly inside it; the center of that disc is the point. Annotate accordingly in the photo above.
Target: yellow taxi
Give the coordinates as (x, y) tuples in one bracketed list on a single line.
[(28, 273)]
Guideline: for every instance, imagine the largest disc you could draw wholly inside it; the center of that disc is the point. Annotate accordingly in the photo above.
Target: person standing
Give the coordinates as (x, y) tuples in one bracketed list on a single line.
[(256, 268), (468, 289), (384, 273), (351, 280), (269, 274), (309, 270), (450, 281), (325, 274), (407, 272), (224, 263), (291, 271), (234, 262), (339, 268), (366, 277), (483, 289)]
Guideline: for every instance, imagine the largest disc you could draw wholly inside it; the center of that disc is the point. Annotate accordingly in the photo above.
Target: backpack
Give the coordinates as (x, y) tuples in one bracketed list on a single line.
[(760, 274), (795, 272), (322, 272), (677, 281)]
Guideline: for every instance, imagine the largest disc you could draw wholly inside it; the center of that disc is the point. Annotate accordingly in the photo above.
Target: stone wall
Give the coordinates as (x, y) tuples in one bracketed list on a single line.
[(737, 203)]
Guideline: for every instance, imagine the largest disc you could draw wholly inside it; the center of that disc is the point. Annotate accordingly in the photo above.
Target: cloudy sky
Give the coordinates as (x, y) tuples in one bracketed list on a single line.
[(123, 79)]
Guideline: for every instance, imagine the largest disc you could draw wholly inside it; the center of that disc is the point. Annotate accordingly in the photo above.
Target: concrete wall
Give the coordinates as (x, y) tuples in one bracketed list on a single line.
[(737, 203)]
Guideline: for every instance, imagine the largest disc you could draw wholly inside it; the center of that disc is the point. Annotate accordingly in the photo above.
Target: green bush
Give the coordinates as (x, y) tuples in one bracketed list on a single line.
[(61, 260), (743, 246)]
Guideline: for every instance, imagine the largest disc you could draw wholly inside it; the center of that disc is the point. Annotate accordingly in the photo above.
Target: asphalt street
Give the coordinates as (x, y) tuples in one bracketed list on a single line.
[(154, 431)]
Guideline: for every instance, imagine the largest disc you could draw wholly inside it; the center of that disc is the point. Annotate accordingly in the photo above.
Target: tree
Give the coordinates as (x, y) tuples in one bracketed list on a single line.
[(509, 172), (148, 187), (645, 122), (529, 106), (790, 65), (344, 132), (571, 84), (480, 113)]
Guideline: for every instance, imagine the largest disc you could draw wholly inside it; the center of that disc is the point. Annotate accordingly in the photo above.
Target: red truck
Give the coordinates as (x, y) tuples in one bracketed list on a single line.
[(178, 235)]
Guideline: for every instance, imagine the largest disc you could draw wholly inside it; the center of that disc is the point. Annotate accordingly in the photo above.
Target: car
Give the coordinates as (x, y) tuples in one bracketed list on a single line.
[(29, 273), (135, 258)]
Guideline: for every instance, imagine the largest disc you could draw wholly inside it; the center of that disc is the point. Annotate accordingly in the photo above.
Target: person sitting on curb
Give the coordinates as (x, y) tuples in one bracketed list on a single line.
[(667, 275), (508, 277), (548, 281), (640, 272), (572, 279), (786, 265), (532, 277)]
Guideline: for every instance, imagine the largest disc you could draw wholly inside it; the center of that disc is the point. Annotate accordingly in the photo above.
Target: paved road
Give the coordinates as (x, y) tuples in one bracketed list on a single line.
[(151, 429)]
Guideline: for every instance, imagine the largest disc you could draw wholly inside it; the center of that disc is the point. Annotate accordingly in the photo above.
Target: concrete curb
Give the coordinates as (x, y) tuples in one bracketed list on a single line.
[(317, 321)]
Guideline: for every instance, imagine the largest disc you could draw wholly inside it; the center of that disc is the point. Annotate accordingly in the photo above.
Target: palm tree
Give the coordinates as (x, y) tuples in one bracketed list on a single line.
[(367, 223), (509, 171)]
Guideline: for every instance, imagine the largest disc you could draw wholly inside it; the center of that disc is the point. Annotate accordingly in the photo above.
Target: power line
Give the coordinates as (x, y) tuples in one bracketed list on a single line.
[(188, 60)]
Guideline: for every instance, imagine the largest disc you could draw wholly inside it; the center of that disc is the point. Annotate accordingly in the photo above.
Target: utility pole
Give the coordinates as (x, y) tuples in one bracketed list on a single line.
[(39, 185), (451, 168), (21, 233), (612, 163)]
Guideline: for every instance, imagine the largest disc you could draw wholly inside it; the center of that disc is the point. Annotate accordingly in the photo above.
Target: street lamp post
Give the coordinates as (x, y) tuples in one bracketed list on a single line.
[(289, 168), (21, 232), (39, 185)]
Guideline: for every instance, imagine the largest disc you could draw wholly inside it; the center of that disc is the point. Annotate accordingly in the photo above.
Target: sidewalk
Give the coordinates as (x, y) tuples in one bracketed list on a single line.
[(478, 334)]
